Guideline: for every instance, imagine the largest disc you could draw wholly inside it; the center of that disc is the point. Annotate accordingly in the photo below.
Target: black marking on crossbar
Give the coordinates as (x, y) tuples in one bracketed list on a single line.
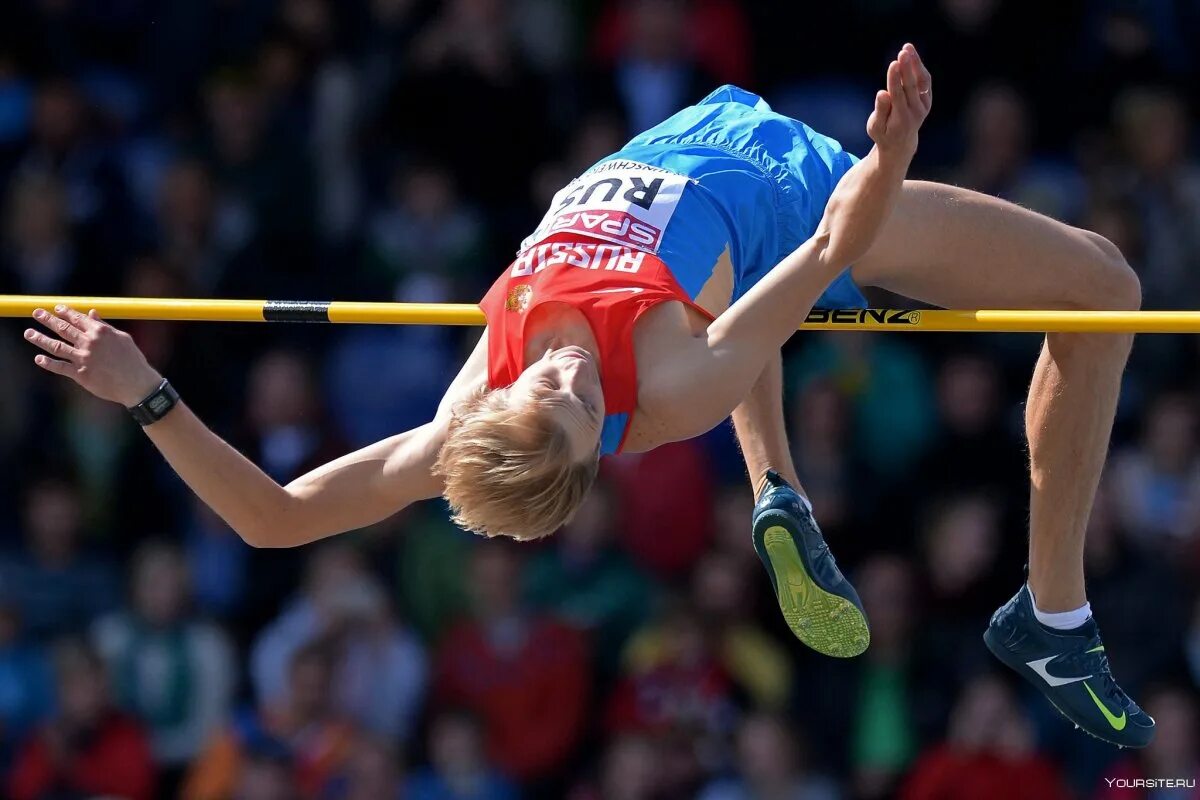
[(296, 311)]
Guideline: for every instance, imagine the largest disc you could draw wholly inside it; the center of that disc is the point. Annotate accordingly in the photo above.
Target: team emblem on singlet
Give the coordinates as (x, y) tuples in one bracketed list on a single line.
[(623, 202), (519, 297)]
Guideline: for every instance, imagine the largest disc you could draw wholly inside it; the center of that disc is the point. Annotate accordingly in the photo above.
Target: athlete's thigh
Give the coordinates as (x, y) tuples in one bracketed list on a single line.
[(957, 248)]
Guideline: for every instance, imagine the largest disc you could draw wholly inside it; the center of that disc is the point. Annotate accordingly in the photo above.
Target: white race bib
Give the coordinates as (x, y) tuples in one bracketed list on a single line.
[(623, 202)]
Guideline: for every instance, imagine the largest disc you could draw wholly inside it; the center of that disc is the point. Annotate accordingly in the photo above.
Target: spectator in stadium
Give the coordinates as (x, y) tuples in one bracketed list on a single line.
[(309, 83), (886, 692), (999, 159), (662, 56), (961, 541), (585, 578), (40, 256), (1156, 484), (56, 586), (753, 659), (1192, 644), (266, 777), (770, 764), (217, 562), (87, 748), (64, 143), (469, 49), (1126, 579), (390, 28), (674, 688), (424, 229), (264, 191), (888, 387), (204, 240), (171, 669), (26, 690), (95, 441), (432, 583), (672, 482), (371, 773), (1162, 180), (629, 770), (458, 768), (989, 750), (285, 427), (525, 675), (825, 457), (1123, 43), (730, 507), (976, 446), (387, 358), (379, 669), (16, 102), (302, 729), (718, 35)]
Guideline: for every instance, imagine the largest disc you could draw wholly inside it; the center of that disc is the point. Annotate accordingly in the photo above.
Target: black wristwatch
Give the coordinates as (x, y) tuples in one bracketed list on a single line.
[(156, 405)]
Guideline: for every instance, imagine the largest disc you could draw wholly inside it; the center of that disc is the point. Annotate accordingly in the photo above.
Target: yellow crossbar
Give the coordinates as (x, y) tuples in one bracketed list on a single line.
[(874, 319)]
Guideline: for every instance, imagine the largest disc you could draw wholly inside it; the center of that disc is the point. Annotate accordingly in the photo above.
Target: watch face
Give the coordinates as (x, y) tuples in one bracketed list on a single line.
[(158, 404)]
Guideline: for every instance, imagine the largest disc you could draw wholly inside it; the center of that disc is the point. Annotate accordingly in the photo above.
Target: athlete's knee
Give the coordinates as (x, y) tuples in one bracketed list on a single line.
[(1112, 284)]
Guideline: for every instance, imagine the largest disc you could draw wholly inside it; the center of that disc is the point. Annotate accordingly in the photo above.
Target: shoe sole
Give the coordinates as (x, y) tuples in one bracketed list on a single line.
[(826, 622), (1001, 653)]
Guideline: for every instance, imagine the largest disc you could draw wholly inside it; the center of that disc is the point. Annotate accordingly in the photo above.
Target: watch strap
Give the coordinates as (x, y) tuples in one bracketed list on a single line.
[(156, 405)]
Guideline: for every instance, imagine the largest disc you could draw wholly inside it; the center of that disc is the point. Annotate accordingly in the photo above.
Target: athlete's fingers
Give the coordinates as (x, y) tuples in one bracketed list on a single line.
[(67, 370), (877, 122), (80, 321), (912, 84), (911, 77), (59, 325), (55, 347), (922, 70), (883, 106), (94, 316), (923, 80), (906, 58), (894, 84)]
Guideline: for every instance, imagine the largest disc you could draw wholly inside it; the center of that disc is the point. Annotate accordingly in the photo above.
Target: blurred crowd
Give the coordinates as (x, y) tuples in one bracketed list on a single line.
[(400, 149)]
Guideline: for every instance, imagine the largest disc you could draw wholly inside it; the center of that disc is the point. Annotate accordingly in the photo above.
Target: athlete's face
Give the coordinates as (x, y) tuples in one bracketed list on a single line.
[(567, 381)]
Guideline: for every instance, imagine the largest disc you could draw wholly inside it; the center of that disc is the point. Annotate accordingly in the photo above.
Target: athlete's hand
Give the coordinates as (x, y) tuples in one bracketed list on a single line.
[(903, 106), (94, 354)]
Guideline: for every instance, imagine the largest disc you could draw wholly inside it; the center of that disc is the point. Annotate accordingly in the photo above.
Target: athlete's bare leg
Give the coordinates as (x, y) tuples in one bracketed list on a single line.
[(761, 431), (959, 249)]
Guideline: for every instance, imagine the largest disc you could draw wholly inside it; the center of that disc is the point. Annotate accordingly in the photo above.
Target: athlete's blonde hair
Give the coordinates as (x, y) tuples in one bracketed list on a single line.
[(508, 467)]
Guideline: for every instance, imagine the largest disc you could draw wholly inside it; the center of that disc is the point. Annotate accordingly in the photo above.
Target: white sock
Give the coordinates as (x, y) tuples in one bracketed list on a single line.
[(1062, 620)]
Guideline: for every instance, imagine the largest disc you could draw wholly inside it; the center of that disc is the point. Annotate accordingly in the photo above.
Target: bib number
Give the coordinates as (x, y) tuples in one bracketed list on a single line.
[(623, 202)]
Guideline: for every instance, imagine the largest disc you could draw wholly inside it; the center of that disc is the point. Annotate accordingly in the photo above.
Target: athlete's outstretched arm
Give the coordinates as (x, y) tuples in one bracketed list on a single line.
[(729, 358), (356, 490)]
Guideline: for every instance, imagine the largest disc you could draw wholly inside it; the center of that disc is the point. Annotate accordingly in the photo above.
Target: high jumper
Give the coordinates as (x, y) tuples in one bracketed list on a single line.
[(651, 303)]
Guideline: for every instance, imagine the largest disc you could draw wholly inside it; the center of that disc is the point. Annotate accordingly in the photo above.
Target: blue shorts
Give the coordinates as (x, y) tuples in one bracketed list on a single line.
[(760, 182)]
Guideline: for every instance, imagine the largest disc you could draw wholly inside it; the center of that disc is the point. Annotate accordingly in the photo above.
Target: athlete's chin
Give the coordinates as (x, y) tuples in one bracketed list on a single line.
[(572, 351)]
